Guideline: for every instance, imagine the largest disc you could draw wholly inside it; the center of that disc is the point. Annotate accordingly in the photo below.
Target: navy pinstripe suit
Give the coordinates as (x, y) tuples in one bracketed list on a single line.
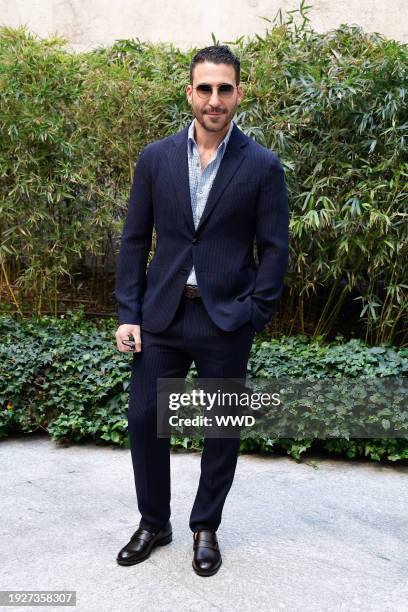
[(248, 200)]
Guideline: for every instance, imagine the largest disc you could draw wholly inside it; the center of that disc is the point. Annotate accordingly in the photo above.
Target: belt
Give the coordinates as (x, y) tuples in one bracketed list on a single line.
[(191, 291)]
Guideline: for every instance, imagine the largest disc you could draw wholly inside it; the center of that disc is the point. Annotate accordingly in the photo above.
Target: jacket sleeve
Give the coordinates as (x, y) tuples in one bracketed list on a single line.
[(272, 241), (135, 245)]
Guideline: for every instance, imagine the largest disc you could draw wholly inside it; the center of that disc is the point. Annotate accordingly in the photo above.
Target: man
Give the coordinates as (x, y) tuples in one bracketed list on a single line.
[(209, 190)]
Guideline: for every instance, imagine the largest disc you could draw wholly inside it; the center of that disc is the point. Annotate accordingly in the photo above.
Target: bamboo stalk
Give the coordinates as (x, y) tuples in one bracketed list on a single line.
[(10, 289), (320, 323)]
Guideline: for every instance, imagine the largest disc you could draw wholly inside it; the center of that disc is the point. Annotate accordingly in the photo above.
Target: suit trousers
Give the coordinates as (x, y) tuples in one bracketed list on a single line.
[(191, 336)]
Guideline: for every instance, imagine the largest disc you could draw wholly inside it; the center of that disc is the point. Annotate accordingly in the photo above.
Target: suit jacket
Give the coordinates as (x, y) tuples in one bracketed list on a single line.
[(248, 200)]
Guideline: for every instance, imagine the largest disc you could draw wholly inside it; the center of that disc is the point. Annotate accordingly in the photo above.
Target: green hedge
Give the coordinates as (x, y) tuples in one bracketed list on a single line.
[(332, 105), (66, 377)]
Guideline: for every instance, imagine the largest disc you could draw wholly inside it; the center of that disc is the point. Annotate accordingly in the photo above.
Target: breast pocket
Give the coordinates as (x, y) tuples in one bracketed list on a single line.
[(239, 201), (240, 188)]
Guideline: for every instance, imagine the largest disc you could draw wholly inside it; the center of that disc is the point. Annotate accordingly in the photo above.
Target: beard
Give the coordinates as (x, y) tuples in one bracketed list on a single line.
[(211, 124)]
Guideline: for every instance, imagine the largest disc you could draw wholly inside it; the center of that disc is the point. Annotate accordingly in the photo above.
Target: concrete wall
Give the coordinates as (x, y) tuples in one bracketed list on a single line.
[(90, 23)]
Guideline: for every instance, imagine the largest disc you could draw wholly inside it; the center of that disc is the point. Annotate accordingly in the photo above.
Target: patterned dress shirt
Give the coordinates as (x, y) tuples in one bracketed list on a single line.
[(201, 180)]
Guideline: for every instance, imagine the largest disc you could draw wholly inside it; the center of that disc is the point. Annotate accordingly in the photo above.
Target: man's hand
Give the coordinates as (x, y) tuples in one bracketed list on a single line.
[(123, 332)]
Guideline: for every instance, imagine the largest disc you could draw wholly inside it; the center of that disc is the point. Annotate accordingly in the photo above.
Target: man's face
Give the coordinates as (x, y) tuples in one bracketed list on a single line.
[(215, 112)]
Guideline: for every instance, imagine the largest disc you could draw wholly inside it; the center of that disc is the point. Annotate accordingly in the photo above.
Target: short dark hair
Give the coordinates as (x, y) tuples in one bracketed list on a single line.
[(217, 54)]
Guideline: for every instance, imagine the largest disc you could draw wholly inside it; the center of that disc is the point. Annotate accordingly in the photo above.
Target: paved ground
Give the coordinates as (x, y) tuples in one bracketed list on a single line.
[(293, 537)]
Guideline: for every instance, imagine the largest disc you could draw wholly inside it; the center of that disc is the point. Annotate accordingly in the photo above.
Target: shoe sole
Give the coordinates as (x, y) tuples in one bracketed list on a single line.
[(162, 542), (208, 573)]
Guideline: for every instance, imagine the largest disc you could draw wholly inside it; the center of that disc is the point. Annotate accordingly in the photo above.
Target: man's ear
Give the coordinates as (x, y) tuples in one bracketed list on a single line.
[(241, 92), (189, 91)]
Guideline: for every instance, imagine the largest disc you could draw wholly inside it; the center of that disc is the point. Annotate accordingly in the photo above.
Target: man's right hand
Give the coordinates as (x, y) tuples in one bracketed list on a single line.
[(123, 332)]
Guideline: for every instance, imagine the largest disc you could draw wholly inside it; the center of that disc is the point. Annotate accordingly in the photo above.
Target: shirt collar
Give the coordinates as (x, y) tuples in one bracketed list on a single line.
[(191, 140)]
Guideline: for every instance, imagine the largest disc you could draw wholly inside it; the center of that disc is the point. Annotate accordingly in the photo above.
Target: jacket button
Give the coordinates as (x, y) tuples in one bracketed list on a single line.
[(194, 241)]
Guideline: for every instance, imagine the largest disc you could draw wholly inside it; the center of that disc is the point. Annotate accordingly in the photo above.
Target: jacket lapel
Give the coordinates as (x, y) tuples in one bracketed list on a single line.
[(178, 160), (231, 161)]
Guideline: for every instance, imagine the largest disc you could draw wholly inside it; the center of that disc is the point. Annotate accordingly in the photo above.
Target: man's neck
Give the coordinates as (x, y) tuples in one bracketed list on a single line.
[(208, 141)]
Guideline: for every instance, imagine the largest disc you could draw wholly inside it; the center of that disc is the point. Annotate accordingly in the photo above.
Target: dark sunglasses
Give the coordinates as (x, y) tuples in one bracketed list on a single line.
[(225, 90)]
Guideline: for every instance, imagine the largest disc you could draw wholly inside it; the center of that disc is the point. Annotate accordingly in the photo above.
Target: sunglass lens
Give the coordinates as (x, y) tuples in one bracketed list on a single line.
[(225, 90), (204, 90)]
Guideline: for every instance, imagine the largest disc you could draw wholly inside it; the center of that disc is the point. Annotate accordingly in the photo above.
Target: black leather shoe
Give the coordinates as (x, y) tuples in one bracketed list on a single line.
[(207, 557), (142, 543)]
